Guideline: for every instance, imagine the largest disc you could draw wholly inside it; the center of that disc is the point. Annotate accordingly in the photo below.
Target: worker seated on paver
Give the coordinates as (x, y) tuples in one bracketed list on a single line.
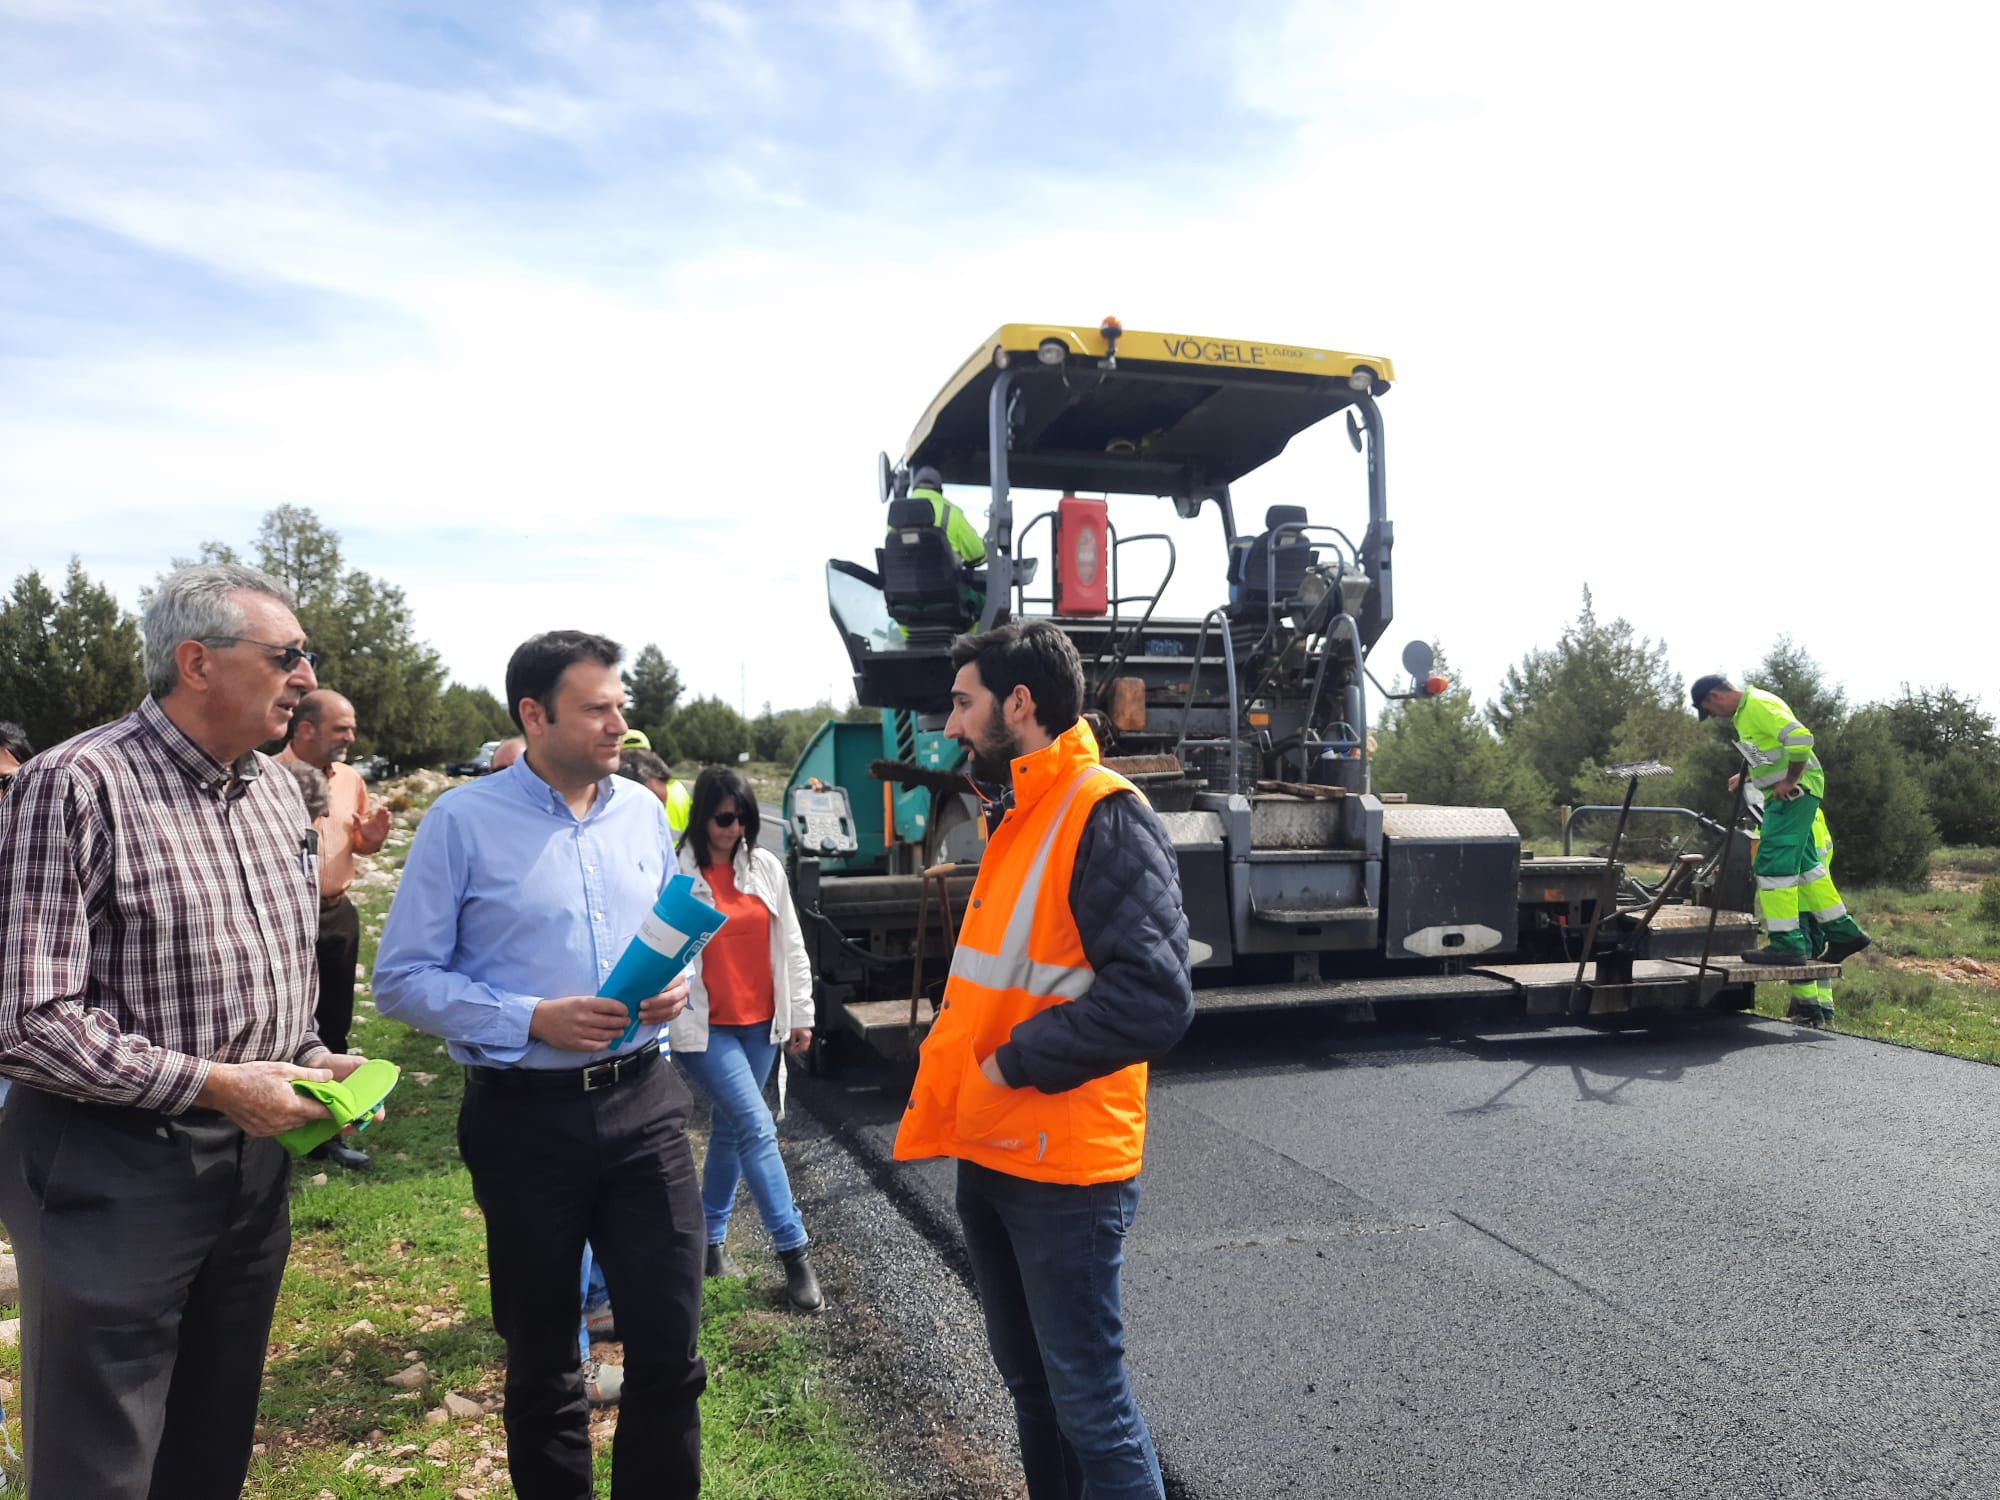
[(928, 485), (928, 559)]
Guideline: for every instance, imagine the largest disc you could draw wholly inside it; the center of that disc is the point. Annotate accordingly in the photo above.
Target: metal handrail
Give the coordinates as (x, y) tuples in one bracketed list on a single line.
[(1296, 602), (1360, 732), (1229, 673), (1131, 639), (1569, 816), (1021, 598)]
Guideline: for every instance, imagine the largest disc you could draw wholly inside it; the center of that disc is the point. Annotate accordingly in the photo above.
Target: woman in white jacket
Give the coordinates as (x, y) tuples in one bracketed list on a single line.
[(750, 992)]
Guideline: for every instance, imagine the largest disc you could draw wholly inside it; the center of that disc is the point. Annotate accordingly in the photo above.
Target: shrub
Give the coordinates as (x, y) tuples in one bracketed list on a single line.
[(1988, 907), (710, 732), (1882, 829)]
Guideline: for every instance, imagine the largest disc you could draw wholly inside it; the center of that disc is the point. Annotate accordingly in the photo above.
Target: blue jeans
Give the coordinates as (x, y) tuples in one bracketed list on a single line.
[(594, 1295), (1046, 1257), (742, 1136)]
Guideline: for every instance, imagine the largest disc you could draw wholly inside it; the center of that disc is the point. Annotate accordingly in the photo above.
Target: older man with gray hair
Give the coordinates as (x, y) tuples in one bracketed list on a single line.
[(156, 1004)]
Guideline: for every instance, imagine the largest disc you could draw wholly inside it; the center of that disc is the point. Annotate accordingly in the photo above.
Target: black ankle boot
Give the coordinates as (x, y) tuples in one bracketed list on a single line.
[(719, 1263), (801, 1285)]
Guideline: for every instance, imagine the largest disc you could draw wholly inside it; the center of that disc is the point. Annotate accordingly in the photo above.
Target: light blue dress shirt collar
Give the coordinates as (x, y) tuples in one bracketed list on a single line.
[(508, 898)]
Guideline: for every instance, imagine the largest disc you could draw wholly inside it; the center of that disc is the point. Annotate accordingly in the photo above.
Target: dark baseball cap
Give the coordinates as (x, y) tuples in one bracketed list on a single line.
[(1703, 686), (926, 478)]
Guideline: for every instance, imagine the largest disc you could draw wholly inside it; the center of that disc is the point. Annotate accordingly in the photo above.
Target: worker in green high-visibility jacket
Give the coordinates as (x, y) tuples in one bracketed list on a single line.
[(1793, 883), (928, 484), (637, 762), (966, 542)]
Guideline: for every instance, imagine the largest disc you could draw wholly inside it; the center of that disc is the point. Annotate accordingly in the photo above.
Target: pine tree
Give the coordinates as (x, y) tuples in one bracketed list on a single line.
[(69, 663), (653, 687), (1600, 695), (362, 628), (1441, 750)]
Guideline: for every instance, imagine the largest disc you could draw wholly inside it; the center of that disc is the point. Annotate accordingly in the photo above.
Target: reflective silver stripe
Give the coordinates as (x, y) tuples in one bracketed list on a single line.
[(1795, 733), (1758, 757), (1778, 882), (1813, 876), (1781, 924), (996, 971), (1777, 771), (1831, 913), (1011, 968)]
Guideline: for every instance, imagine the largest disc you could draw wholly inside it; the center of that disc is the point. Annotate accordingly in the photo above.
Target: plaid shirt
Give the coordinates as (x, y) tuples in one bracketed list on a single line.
[(157, 911)]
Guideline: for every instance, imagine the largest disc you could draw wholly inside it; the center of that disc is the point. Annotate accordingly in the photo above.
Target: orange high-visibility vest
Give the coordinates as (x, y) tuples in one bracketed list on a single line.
[(1018, 953)]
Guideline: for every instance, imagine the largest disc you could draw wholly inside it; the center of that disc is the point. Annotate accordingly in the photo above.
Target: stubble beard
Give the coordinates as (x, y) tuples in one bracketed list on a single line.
[(993, 760)]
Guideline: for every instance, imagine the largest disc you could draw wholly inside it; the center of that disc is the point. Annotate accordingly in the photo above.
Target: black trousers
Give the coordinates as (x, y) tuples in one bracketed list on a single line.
[(552, 1167), (337, 949), (150, 1248)]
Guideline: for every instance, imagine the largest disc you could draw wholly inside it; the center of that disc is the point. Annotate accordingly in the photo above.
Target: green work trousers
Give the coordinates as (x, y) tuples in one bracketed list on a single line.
[(1793, 883), (1816, 992)]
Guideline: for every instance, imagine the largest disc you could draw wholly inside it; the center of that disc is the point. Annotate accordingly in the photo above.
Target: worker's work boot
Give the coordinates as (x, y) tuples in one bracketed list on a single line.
[(801, 1285), (1811, 1013), (719, 1263), (1839, 950), (1781, 957)]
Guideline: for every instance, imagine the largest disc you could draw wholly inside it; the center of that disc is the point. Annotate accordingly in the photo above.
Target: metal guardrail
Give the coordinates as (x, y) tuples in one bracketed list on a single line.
[(1569, 815)]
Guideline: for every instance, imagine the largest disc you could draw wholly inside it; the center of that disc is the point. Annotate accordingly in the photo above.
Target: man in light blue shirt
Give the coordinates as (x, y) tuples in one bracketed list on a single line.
[(520, 892)]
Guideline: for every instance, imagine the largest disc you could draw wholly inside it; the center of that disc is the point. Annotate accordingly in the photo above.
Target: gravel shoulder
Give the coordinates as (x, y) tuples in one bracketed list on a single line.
[(907, 1346)]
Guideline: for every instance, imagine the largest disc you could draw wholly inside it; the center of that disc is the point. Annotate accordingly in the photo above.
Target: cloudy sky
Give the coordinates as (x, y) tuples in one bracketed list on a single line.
[(597, 314)]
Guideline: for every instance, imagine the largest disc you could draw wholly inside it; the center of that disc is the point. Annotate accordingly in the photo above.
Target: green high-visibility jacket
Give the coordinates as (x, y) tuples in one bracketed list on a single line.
[(1769, 736), (966, 542)]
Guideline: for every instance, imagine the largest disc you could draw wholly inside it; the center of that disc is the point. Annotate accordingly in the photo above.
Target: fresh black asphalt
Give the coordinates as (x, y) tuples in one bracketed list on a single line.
[(1725, 1258)]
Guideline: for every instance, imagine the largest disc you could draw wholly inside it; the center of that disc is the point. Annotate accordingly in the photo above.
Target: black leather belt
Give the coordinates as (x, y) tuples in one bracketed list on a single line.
[(588, 1080)]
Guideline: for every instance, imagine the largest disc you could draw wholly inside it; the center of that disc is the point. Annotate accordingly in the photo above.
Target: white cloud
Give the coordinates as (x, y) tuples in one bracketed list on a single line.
[(1690, 306)]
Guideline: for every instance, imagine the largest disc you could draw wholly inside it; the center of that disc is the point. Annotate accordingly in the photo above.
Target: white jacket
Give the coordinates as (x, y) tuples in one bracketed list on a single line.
[(759, 874)]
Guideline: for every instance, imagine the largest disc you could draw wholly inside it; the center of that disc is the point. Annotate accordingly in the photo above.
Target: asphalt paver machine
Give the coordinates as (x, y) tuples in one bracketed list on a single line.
[(1245, 724)]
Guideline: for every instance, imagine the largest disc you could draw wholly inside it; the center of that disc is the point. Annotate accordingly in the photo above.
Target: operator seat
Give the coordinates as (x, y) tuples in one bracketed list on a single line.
[(1264, 571), (922, 580)]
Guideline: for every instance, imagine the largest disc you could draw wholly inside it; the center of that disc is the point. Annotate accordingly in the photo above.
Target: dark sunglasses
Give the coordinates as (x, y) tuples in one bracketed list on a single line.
[(6, 781), (289, 657), (727, 820)]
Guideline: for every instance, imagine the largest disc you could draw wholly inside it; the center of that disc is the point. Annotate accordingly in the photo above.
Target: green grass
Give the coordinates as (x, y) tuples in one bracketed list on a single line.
[(1897, 990), (765, 1434), (402, 1248)]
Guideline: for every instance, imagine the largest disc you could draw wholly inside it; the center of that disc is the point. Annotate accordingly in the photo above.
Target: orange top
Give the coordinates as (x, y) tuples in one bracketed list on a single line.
[(340, 836), (736, 964), (1019, 952)]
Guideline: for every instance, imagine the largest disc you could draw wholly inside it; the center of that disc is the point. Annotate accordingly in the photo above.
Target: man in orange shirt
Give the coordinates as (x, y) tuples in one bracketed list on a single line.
[(322, 734)]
